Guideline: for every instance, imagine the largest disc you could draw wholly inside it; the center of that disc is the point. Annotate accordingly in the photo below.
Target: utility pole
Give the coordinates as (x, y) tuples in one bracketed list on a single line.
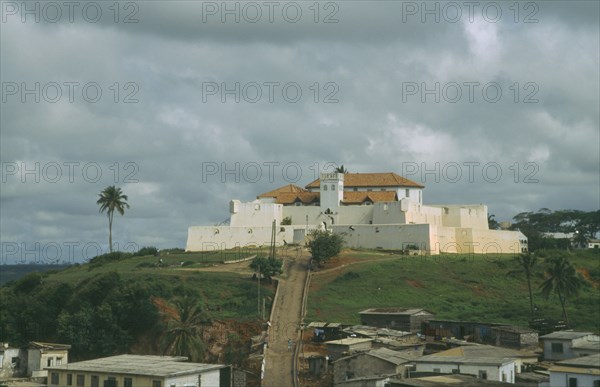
[(258, 290)]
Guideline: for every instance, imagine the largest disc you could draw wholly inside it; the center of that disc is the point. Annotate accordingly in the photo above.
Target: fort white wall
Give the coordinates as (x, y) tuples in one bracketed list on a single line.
[(206, 238), (385, 236), (255, 213)]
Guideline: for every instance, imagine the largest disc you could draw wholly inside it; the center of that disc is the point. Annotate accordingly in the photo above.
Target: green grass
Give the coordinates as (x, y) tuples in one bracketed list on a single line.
[(226, 295), (451, 286)]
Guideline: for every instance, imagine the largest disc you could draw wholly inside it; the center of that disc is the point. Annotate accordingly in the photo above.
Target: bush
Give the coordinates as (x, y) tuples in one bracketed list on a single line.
[(149, 250), (267, 266), (324, 245)]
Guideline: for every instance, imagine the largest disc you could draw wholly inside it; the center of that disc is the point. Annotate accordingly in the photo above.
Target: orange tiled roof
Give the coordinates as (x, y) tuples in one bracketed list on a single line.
[(304, 197), (359, 197), (290, 188), (291, 194), (386, 179)]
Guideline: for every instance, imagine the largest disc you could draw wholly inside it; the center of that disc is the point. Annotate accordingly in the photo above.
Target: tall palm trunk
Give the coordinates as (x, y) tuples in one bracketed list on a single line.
[(530, 294), (562, 304), (110, 219)]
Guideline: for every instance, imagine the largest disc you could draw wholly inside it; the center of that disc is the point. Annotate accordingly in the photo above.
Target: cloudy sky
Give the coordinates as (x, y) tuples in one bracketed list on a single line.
[(188, 104)]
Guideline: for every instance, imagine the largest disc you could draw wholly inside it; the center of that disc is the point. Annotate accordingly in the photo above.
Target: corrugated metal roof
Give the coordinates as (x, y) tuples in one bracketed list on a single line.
[(399, 311), (566, 335), (161, 366), (584, 361)]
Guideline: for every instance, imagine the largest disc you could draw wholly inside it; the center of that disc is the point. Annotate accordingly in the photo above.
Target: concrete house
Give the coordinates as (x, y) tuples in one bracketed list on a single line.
[(139, 371), (579, 372), (402, 319), (41, 355), (564, 345), (12, 361), (483, 361), (502, 335), (511, 336), (376, 362), (343, 347)]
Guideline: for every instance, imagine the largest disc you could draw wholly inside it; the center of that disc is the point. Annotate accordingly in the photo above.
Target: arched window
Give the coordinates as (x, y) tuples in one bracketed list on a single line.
[(325, 187)]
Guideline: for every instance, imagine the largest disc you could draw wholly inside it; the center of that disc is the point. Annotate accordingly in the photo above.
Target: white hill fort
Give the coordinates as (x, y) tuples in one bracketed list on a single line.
[(371, 210)]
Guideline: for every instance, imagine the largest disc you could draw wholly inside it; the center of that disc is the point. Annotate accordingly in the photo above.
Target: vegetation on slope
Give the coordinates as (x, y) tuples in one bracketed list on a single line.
[(112, 304), (461, 287)]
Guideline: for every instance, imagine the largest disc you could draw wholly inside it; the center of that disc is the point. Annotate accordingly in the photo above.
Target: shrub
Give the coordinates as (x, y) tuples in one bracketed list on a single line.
[(324, 245)]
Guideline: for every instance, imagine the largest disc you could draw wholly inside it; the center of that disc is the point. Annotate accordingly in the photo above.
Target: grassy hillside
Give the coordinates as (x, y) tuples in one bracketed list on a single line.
[(451, 286), (113, 303)]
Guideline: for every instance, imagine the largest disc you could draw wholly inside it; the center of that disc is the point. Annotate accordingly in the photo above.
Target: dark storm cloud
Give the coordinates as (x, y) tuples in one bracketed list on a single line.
[(542, 132)]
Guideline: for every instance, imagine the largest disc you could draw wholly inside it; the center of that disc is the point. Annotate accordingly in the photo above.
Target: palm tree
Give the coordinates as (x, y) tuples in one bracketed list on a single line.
[(580, 240), (185, 327), (563, 280), (341, 169), (111, 199), (527, 263)]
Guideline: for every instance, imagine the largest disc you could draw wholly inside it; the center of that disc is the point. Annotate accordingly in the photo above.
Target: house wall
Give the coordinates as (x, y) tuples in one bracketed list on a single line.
[(6, 366), (335, 351), (568, 352), (37, 360), (209, 378), (379, 382), (493, 372), (514, 339), (561, 379), (361, 366)]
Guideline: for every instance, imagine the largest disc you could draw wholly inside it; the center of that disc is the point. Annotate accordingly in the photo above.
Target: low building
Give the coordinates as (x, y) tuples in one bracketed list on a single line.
[(483, 361), (366, 381), (380, 361), (402, 319), (502, 335), (511, 336), (593, 244), (41, 355), (323, 331), (462, 330), (13, 361), (579, 372), (343, 347), (139, 371), (564, 345), (444, 380)]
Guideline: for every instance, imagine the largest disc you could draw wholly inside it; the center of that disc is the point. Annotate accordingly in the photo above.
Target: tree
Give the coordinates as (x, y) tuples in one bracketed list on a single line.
[(580, 240), (341, 169), (111, 199), (527, 263), (493, 223), (562, 279), (183, 336), (268, 267), (324, 245)]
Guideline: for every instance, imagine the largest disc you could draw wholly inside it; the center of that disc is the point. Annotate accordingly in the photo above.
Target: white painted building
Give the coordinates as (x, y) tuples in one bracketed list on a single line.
[(140, 371), (579, 372), (371, 210), (484, 362), (563, 345)]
